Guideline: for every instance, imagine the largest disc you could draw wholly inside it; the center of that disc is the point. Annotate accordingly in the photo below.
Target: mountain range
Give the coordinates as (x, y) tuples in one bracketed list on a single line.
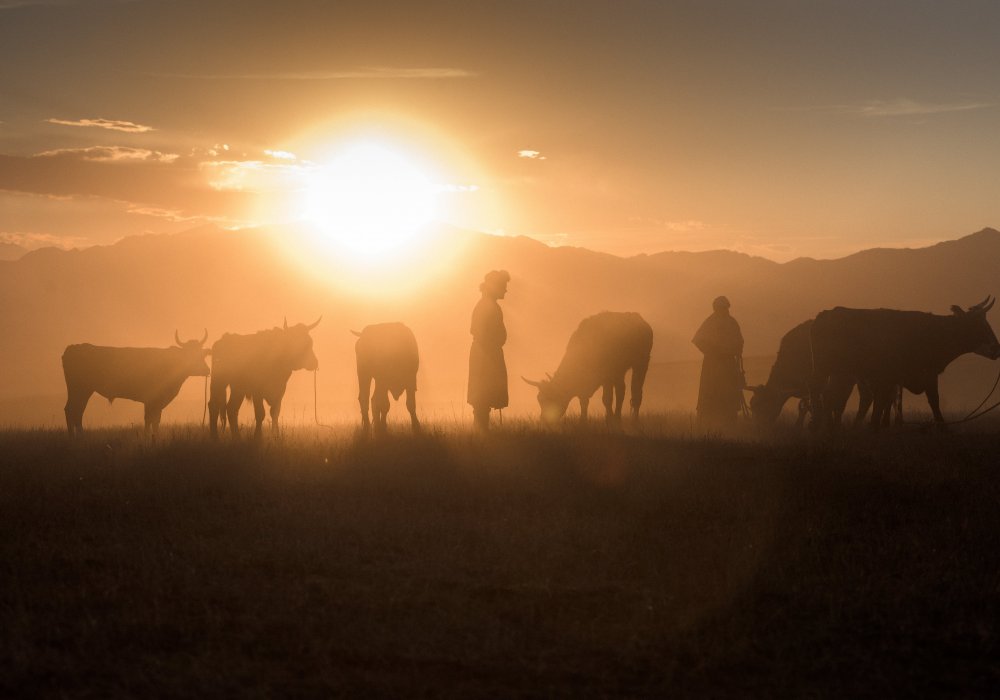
[(139, 290)]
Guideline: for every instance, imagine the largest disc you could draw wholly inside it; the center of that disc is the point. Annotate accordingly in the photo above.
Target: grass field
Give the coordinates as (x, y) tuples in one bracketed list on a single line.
[(523, 562)]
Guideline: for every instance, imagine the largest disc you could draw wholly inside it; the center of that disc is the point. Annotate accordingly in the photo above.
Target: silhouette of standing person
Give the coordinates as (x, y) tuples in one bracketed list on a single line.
[(720, 391), (487, 369)]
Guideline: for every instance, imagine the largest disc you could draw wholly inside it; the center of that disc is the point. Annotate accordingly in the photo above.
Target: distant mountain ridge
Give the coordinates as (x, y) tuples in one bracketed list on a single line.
[(137, 291)]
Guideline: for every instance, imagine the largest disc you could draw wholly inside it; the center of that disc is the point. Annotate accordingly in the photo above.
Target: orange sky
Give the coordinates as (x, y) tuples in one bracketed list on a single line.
[(778, 128)]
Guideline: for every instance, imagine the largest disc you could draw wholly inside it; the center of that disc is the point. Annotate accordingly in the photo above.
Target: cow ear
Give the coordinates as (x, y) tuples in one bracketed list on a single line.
[(957, 310)]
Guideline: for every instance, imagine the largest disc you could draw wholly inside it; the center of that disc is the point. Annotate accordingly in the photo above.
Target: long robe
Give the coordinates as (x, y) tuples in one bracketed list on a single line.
[(720, 390), (487, 368)]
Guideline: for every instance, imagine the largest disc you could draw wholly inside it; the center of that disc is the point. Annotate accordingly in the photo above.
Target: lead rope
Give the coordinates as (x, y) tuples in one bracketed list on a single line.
[(316, 403), (204, 402), (976, 413)]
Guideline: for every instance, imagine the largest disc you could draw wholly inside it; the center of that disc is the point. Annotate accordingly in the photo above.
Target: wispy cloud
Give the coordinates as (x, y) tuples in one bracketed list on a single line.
[(531, 155), (112, 124), (30, 240), (905, 107), (281, 155), (111, 154), (366, 73)]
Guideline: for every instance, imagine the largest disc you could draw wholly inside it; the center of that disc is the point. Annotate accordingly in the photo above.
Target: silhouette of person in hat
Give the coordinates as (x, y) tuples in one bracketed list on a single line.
[(487, 369), (720, 395)]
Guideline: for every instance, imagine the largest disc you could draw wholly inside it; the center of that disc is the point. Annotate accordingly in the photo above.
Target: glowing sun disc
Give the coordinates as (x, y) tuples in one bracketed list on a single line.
[(368, 201)]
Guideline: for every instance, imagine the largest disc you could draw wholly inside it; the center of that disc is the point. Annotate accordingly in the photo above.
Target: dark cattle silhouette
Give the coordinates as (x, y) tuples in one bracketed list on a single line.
[(257, 367), (601, 350), (386, 353), (887, 348), (151, 376), (789, 378)]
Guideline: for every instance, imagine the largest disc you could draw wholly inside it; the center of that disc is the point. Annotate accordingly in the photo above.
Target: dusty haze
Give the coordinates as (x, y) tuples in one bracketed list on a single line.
[(138, 291)]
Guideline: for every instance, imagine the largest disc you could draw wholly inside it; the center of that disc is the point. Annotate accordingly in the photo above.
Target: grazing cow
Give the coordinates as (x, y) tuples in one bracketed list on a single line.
[(789, 378), (151, 376), (887, 348), (257, 367), (387, 354), (600, 351)]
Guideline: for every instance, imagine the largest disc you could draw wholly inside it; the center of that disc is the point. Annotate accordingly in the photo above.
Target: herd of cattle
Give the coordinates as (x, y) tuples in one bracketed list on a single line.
[(881, 351)]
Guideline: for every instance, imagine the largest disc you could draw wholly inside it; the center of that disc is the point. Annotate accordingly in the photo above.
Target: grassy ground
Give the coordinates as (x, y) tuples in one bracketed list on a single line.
[(523, 562)]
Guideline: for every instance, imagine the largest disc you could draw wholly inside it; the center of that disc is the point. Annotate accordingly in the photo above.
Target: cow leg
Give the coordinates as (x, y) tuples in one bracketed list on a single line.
[(152, 415), (411, 406), (364, 386), (899, 405), (584, 402), (380, 404), (865, 398), (76, 402), (275, 412), (934, 399), (803, 410), (883, 398), (619, 397), (233, 410), (607, 397), (258, 414), (216, 406), (638, 379)]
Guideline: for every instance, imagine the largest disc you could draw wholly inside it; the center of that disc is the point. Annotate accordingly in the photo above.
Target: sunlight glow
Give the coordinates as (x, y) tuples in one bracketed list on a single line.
[(368, 202)]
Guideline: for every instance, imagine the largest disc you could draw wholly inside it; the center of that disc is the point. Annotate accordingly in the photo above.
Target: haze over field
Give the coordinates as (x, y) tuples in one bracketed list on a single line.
[(138, 291)]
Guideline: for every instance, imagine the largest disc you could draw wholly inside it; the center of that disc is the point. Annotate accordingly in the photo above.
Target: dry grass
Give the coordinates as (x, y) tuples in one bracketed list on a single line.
[(523, 562)]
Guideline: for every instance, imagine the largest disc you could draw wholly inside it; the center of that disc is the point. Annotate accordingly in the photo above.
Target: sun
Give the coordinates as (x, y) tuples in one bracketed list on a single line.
[(368, 201)]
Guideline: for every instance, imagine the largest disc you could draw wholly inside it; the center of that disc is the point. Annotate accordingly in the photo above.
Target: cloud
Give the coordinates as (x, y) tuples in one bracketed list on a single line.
[(174, 184), (30, 241), (281, 155), (253, 175), (111, 154), (531, 155), (366, 73), (112, 124), (904, 107)]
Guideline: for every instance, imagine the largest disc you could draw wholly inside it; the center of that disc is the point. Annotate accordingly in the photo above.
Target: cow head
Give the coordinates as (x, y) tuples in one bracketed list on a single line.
[(977, 332), (193, 355), (765, 404), (552, 401), (298, 346)]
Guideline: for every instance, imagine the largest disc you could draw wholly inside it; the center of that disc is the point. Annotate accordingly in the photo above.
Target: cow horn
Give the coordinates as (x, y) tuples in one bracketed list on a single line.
[(989, 304), (356, 333), (753, 389), (177, 339), (549, 376), (309, 328), (529, 381), (286, 323), (204, 338), (980, 304)]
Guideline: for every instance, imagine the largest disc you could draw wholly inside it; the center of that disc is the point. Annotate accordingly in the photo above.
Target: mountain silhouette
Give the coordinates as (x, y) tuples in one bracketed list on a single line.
[(139, 290)]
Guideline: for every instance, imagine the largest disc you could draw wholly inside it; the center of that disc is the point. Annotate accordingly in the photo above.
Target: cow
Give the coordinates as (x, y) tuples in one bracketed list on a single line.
[(601, 350), (886, 348), (789, 378), (386, 354), (151, 376), (257, 367)]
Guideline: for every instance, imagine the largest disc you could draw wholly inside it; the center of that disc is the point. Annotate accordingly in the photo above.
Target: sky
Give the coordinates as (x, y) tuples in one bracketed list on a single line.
[(777, 128)]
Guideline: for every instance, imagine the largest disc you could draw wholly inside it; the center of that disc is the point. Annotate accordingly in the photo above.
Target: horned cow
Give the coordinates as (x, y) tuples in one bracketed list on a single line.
[(888, 348), (257, 367), (386, 354), (789, 378), (600, 352), (151, 376)]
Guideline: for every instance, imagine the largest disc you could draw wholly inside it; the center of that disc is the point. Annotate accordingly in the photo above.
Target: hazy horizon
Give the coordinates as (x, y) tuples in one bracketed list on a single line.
[(777, 129)]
